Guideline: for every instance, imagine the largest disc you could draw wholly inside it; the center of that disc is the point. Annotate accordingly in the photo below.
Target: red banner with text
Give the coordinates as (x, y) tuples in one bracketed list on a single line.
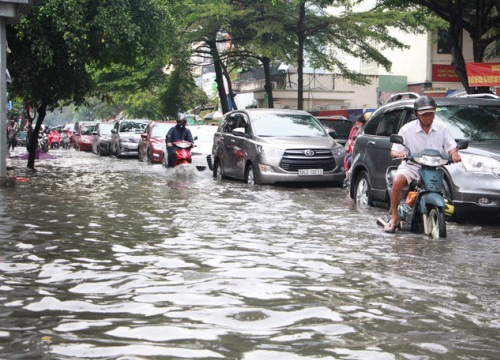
[(444, 73), (483, 74)]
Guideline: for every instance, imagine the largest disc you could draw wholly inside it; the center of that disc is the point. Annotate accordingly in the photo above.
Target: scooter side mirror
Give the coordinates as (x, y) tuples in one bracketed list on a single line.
[(396, 139), (463, 144), (195, 138)]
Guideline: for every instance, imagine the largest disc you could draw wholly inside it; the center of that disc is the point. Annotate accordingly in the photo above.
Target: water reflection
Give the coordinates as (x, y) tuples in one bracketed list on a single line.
[(111, 258)]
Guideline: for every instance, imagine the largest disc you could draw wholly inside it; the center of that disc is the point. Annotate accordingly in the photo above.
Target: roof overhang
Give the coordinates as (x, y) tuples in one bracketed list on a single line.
[(12, 9)]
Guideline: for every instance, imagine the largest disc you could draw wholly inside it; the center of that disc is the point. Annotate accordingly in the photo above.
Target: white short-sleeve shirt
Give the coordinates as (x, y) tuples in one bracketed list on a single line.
[(416, 139)]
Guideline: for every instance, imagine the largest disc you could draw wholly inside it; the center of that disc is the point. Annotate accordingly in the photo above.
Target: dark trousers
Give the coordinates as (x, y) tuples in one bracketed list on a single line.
[(171, 155)]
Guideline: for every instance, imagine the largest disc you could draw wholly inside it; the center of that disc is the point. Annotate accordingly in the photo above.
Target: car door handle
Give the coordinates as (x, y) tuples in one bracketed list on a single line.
[(371, 143)]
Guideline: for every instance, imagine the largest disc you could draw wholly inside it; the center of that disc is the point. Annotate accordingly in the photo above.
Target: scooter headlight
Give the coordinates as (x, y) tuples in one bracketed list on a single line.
[(430, 160), (477, 163)]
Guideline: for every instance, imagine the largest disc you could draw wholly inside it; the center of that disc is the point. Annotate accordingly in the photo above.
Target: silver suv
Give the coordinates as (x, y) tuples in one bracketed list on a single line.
[(267, 146)]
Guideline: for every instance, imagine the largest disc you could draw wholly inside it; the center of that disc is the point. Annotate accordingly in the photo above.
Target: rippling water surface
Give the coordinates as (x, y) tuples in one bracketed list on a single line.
[(105, 258)]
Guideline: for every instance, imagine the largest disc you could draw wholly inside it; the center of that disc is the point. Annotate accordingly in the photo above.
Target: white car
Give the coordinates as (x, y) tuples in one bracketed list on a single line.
[(202, 151)]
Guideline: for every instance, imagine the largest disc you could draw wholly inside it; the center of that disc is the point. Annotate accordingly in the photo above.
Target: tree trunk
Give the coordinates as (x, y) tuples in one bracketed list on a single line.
[(33, 141), (268, 87), (229, 85), (457, 58), (219, 77), (301, 33)]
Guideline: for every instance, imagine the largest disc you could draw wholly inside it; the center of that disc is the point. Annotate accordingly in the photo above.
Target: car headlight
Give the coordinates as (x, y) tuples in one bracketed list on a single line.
[(125, 139), (338, 151), (269, 151), (478, 163), (157, 146), (430, 160)]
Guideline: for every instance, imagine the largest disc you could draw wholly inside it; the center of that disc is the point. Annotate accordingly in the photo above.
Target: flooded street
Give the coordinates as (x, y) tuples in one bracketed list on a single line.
[(106, 258)]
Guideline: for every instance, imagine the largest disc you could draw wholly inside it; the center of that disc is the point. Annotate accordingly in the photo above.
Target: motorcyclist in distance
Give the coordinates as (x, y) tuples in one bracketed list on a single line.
[(176, 133)]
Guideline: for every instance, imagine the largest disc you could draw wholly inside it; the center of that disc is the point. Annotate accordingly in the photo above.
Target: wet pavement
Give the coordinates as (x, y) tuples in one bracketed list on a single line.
[(106, 258)]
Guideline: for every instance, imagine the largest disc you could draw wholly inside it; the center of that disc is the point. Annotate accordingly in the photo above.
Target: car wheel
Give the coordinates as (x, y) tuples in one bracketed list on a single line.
[(250, 177), (362, 190), (217, 172), (100, 151), (436, 223), (117, 150)]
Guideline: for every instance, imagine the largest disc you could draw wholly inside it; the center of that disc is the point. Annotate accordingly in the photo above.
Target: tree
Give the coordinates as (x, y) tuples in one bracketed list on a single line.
[(54, 47), (260, 29), (479, 18), (322, 36), (201, 25)]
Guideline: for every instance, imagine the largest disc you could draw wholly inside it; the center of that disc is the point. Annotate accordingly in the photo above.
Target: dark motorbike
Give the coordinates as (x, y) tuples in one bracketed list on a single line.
[(43, 142), (423, 208)]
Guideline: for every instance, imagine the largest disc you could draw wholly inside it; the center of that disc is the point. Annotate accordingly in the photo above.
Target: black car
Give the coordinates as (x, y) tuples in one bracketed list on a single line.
[(340, 124), (101, 138), (472, 185)]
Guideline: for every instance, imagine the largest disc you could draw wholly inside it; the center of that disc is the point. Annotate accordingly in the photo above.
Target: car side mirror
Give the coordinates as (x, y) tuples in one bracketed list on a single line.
[(333, 134), (463, 144), (144, 136), (396, 139), (114, 131), (95, 133), (240, 131)]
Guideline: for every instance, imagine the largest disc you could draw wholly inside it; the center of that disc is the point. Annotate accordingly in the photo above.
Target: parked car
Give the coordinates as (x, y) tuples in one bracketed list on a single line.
[(472, 185), (101, 138), (153, 140), (82, 137), (340, 125), (268, 146), (201, 153), (125, 136)]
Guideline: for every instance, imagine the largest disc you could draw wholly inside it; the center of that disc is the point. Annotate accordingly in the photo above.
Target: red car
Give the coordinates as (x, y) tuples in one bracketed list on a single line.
[(83, 136), (153, 140)]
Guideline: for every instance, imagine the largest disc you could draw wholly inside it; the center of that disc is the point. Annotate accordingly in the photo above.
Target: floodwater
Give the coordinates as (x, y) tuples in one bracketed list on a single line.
[(105, 258)]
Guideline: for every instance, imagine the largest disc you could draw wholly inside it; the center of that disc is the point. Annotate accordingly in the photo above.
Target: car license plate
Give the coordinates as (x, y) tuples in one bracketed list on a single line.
[(310, 171)]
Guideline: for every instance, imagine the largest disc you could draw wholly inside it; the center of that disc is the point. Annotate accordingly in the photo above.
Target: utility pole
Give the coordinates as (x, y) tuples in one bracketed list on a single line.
[(9, 12)]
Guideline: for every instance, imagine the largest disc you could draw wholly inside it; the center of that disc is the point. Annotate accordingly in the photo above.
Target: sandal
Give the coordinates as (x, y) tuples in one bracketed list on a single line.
[(390, 227)]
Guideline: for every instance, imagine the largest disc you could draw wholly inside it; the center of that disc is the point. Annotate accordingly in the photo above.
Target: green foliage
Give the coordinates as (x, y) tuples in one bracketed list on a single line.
[(181, 93), (54, 47)]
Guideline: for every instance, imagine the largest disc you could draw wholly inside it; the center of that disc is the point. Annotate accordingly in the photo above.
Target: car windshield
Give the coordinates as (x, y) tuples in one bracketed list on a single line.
[(128, 126), (471, 122), (106, 128), (341, 127), (285, 125), (160, 130), (87, 130)]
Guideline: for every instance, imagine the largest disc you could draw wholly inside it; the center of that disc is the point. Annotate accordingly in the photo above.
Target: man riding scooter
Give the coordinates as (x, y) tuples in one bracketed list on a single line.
[(422, 133), (177, 133)]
